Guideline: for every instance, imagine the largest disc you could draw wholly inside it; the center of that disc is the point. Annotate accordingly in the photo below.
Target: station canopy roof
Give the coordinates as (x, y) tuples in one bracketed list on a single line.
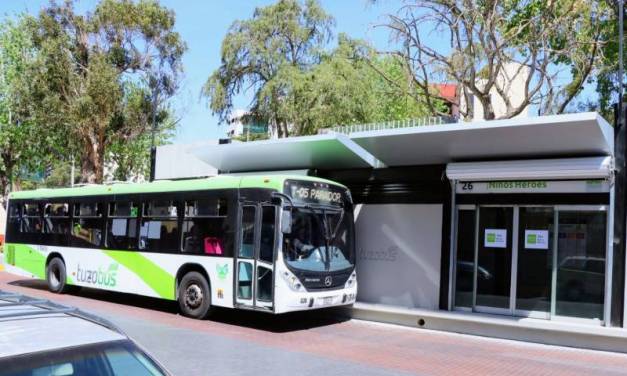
[(571, 135), (555, 136), (328, 151)]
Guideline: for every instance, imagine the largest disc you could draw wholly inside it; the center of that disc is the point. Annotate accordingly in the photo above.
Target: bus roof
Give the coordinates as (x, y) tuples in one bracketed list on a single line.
[(216, 182)]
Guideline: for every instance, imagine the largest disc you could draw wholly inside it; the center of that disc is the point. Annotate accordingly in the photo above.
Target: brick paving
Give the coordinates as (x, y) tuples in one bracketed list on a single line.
[(309, 338)]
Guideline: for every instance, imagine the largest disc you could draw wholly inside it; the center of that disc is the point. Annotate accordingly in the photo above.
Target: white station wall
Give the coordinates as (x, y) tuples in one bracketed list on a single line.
[(398, 254)]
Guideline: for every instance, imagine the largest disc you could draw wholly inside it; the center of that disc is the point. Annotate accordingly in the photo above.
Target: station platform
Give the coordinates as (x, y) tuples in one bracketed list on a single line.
[(548, 332)]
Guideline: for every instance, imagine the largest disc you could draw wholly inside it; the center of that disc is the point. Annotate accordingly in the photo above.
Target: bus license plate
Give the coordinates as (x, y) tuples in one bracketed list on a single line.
[(327, 300)]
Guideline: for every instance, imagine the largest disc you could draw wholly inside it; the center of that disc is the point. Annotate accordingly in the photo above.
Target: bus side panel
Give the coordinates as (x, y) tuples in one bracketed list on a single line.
[(25, 260), (119, 271), (219, 269), (142, 273)]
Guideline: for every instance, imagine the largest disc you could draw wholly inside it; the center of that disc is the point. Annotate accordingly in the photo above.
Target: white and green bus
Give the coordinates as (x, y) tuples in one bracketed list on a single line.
[(269, 243)]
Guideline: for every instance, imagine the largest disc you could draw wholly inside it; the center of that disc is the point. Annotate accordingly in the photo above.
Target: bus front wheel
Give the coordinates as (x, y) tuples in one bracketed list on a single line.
[(194, 296), (55, 276)]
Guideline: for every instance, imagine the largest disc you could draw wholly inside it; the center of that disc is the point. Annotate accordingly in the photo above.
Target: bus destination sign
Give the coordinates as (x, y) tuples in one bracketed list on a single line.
[(315, 193)]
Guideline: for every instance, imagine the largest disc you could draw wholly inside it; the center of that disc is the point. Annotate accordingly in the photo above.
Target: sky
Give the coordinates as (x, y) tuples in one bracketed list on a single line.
[(203, 25)]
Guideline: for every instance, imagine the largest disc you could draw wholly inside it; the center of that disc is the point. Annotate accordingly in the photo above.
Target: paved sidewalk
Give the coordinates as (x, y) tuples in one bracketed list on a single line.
[(249, 343)]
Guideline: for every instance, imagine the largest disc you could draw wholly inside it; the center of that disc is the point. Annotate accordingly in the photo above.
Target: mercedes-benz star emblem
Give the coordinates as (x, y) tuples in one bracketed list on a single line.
[(328, 281)]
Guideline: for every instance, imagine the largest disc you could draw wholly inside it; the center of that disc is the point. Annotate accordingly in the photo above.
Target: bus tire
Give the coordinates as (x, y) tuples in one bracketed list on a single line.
[(194, 296), (56, 276)]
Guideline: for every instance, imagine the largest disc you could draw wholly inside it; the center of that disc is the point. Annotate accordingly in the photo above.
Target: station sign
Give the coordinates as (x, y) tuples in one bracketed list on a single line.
[(311, 192), (534, 186)]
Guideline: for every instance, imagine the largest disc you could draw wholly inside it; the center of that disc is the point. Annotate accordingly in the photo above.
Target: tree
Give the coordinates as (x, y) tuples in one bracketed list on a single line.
[(129, 154), (90, 66), (607, 76), (17, 135), (353, 85), (269, 54), (300, 86), (545, 40)]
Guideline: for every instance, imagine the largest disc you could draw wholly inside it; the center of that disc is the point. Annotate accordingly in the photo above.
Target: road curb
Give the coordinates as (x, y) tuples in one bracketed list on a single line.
[(527, 330)]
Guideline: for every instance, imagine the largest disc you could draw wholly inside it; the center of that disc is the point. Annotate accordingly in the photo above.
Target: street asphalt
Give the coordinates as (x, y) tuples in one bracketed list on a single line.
[(249, 343)]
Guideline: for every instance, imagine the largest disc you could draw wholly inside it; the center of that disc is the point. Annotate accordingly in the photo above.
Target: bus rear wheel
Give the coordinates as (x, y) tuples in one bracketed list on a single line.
[(194, 296), (56, 276)]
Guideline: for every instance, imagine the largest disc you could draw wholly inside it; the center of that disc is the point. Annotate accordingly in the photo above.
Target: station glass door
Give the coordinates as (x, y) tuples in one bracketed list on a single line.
[(511, 260), (494, 259)]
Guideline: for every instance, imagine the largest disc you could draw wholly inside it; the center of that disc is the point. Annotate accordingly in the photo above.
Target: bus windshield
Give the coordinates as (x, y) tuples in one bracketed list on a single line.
[(321, 240)]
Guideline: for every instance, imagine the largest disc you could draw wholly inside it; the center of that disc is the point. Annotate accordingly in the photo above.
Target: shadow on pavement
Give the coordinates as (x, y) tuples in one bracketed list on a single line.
[(288, 322)]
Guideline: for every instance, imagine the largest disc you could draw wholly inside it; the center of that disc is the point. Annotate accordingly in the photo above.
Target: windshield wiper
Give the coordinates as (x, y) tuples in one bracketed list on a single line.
[(326, 233), (337, 226)]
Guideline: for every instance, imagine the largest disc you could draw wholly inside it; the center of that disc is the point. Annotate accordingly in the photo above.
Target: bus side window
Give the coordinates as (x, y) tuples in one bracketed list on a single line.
[(122, 225), (204, 227), (87, 225), (247, 243), (56, 226), (266, 247), (159, 231), (31, 223), (13, 223)]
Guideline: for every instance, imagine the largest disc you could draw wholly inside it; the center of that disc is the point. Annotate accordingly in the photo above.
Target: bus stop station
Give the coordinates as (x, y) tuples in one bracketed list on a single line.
[(498, 228)]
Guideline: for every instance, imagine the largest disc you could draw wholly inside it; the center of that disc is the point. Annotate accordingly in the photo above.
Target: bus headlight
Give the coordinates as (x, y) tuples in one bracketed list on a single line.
[(351, 280), (292, 281)]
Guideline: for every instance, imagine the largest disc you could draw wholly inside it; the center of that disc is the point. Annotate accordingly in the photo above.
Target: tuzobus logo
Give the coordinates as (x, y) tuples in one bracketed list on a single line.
[(98, 277), (222, 270), (389, 255)]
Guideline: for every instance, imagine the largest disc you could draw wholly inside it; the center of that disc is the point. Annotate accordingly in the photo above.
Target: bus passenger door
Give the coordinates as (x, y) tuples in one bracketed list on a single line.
[(255, 257)]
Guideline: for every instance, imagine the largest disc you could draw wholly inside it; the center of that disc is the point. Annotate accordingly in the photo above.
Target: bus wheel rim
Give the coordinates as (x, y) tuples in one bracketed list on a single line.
[(193, 296), (55, 276)]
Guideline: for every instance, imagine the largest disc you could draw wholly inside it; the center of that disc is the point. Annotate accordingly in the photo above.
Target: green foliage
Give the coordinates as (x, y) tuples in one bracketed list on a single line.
[(18, 136), (97, 77), (607, 78), (298, 85), (130, 153), (268, 53), (580, 42), (353, 85)]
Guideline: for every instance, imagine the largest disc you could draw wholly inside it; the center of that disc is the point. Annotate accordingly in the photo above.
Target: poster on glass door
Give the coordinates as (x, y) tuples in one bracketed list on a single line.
[(536, 239), (495, 238)]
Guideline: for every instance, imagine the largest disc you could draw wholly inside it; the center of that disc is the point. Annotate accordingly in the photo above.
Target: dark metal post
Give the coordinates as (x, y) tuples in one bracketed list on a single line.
[(620, 191), (153, 148)]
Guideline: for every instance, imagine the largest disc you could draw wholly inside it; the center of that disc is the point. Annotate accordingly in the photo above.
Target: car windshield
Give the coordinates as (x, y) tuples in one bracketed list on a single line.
[(103, 359), (321, 240)]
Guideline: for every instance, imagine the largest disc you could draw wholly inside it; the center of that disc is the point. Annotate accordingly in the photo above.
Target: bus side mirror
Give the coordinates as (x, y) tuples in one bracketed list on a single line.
[(286, 221)]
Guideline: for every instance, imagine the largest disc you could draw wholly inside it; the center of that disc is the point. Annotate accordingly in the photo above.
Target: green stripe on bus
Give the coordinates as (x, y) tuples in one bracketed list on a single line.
[(29, 259), (152, 274)]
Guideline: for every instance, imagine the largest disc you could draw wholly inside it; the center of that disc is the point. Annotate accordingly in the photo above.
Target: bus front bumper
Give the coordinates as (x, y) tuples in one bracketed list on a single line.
[(319, 299)]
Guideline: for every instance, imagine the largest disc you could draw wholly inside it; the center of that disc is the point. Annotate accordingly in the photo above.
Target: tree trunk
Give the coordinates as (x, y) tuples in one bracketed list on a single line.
[(488, 109), (5, 180), (92, 166), (4, 188), (286, 132)]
